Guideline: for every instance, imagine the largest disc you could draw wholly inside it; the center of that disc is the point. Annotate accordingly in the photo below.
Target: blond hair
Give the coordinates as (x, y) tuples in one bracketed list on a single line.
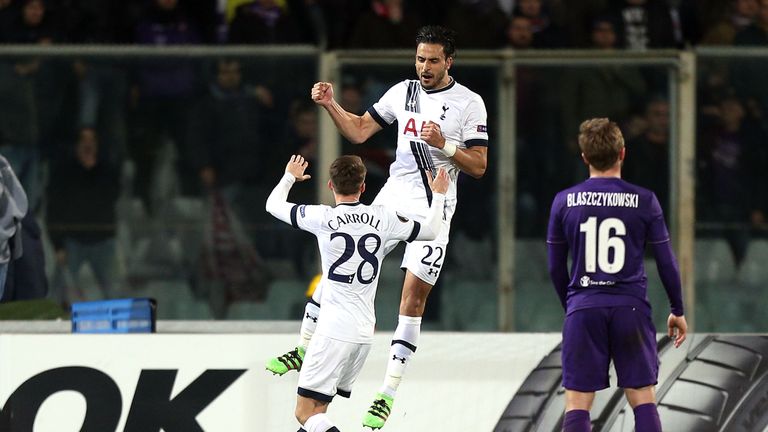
[(601, 141)]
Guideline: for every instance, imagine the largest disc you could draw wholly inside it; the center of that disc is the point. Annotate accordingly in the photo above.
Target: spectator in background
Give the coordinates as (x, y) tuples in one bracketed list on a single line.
[(575, 18), (378, 153), (697, 17), (605, 91), (26, 279), (755, 34), (31, 91), (732, 160), (386, 25), (161, 97), (748, 74), (741, 15), (302, 138), (8, 11), (340, 17), (644, 24), (227, 141), (651, 149), (13, 201), (90, 21), (264, 22), (537, 112), (520, 32), (82, 195), (32, 25), (478, 23), (103, 83), (546, 34)]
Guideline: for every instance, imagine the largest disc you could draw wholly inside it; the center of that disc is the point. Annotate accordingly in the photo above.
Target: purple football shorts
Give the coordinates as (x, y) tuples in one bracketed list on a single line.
[(595, 336)]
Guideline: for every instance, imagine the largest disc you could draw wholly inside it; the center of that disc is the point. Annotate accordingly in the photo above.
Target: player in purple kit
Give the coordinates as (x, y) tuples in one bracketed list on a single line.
[(605, 223)]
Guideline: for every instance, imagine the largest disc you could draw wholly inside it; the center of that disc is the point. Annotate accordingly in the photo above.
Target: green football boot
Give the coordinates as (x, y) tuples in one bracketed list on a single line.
[(292, 360), (378, 412)]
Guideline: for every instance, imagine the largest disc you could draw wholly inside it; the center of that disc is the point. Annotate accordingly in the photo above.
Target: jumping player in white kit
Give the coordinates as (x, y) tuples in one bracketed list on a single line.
[(353, 239), (441, 124)]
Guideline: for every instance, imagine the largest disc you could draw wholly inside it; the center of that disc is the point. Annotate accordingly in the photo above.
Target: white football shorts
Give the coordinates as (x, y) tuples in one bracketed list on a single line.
[(422, 258), (331, 367)]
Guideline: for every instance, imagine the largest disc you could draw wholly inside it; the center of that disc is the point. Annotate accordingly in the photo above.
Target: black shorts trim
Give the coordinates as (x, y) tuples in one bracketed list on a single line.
[(314, 395)]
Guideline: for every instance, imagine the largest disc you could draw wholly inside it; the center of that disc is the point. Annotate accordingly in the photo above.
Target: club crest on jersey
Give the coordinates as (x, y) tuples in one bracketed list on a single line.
[(445, 109)]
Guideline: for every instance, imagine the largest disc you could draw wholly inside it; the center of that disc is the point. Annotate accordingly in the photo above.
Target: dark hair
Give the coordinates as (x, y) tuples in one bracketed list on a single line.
[(433, 34), (347, 174), (601, 142)]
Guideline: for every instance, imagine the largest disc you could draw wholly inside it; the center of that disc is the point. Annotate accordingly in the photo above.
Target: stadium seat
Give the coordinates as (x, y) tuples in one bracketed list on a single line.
[(531, 260), (754, 270), (714, 261), (285, 301), (468, 305)]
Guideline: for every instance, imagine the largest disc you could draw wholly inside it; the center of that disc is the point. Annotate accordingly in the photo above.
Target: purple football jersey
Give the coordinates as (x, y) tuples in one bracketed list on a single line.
[(606, 223)]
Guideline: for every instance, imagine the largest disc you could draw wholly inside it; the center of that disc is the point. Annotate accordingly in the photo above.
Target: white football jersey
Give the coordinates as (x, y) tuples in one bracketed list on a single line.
[(353, 239), (462, 118)]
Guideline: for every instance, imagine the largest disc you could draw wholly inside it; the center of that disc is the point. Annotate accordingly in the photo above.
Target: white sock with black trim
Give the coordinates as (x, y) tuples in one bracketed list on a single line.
[(319, 423), (404, 343), (311, 315), (309, 323)]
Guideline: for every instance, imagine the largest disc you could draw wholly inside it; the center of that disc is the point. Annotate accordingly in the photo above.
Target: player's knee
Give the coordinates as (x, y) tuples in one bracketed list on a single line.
[(576, 400), (641, 395)]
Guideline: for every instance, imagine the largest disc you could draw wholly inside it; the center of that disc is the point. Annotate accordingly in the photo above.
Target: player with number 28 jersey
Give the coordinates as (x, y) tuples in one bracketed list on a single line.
[(353, 239)]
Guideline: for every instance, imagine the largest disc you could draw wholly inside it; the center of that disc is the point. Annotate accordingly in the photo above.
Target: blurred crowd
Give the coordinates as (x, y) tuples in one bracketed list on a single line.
[(83, 132), (638, 24)]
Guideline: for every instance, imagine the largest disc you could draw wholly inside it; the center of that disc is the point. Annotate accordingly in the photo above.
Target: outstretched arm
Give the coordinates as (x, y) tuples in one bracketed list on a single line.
[(434, 222), (277, 203), (355, 128)]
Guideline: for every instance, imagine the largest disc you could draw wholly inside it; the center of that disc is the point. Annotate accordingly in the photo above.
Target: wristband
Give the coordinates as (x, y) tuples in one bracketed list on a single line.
[(449, 149)]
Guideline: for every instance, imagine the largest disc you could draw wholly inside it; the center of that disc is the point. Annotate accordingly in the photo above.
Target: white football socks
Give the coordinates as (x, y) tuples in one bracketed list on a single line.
[(318, 423), (404, 344), (309, 323), (311, 315)]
